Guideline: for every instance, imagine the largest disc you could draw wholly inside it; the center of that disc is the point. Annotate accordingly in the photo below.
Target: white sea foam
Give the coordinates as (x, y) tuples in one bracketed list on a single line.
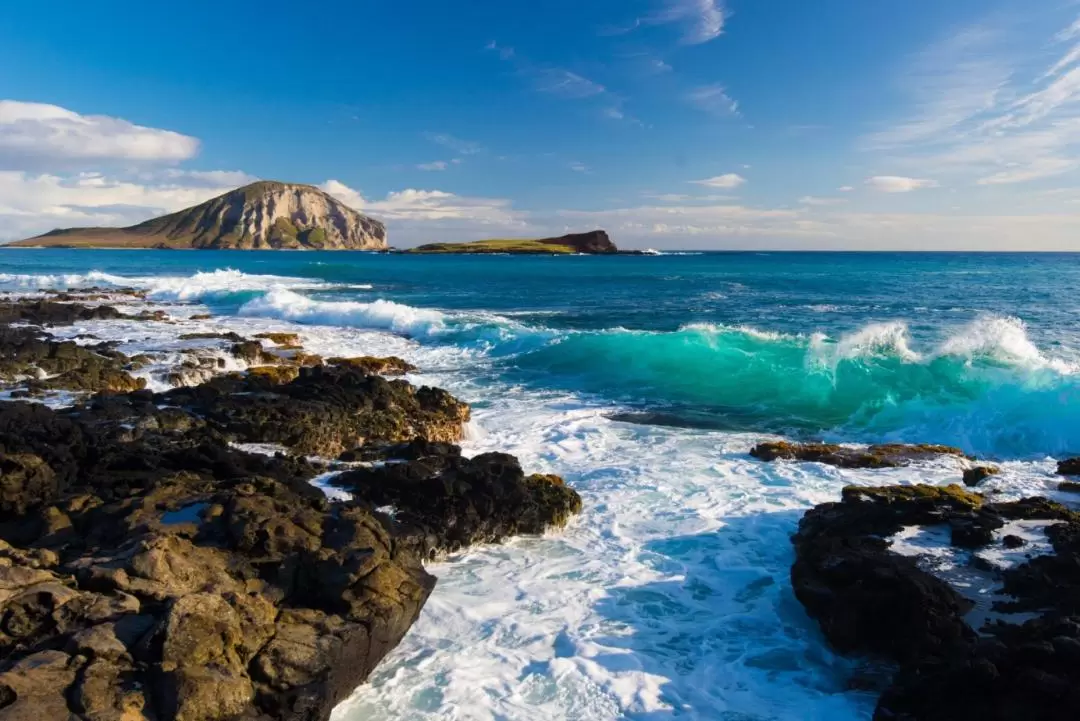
[(325, 483), (180, 288), (669, 595), (379, 314), (975, 575)]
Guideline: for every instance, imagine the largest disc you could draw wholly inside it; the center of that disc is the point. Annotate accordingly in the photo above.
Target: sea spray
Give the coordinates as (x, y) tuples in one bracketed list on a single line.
[(986, 387)]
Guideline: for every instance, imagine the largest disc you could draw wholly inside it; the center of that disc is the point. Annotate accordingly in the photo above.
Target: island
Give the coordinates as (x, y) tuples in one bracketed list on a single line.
[(595, 242), (266, 215)]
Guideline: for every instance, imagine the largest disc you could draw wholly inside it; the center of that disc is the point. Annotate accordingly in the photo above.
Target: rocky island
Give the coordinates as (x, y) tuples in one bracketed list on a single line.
[(167, 555), (595, 242), (261, 216)]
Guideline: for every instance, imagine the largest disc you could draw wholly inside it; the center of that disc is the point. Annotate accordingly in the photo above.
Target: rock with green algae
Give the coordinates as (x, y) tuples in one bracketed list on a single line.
[(889, 455), (388, 366)]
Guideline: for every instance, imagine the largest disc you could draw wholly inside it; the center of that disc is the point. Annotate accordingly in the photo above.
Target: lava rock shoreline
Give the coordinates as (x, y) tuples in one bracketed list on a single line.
[(151, 569), (873, 602)]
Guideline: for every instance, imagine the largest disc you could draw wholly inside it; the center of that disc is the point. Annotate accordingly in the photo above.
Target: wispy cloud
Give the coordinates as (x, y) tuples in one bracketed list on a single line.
[(436, 165), (899, 183), (821, 201), (703, 20), (462, 147), (728, 181), (980, 116), (699, 20), (564, 84), (713, 99), (580, 168)]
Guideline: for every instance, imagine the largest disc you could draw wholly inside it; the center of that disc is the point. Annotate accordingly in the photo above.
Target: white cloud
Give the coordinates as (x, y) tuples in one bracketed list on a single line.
[(713, 99), (345, 194), (845, 188), (685, 198), (898, 183), (32, 133), (580, 168), (34, 203), (424, 216), (429, 205), (741, 227), (816, 200), (728, 180), (436, 165)]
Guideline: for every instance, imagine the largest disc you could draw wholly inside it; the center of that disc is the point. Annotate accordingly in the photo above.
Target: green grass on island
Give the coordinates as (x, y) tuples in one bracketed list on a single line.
[(497, 246)]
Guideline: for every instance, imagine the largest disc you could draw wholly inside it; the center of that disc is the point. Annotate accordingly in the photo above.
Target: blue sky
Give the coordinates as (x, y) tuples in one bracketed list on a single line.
[(671, 123)]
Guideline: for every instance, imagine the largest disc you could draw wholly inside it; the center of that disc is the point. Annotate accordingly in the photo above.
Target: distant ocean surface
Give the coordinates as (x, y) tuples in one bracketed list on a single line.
[(644, 381)]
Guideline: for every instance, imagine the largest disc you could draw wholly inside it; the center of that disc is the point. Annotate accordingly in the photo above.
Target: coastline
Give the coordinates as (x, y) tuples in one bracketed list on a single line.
[(205, 579), (678, 515)]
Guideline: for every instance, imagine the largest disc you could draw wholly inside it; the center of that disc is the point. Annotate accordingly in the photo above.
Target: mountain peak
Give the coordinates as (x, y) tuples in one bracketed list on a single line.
[(262, 215)]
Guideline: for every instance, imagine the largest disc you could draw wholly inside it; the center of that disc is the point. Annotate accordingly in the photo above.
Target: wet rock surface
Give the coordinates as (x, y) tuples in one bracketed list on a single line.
[(324, 411), (443, 502), (871, 600), (150, 569), (892, 455), (31, 358), (1069, 467), (977, 474)]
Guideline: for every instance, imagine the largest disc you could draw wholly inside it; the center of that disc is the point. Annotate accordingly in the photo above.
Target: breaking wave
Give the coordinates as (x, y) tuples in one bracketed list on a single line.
[(986, 387), (201, 285)]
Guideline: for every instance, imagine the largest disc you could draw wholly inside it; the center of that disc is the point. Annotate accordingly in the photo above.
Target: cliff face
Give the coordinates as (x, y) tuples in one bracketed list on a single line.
[(263, 215)]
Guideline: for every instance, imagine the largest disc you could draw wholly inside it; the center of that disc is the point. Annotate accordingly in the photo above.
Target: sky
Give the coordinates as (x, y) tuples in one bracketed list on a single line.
[(672, 124)]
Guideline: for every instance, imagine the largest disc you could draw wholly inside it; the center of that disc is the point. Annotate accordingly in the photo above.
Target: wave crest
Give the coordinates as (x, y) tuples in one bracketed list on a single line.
[(201, 284), (986, 387)]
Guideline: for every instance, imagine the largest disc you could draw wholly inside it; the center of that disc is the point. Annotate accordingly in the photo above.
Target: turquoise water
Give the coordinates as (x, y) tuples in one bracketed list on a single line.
[(976, 350), (645, 381)]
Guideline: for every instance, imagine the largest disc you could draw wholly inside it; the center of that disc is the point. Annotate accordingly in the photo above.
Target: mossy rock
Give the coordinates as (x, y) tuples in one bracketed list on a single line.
[(276, 375), (389, 366), (292, 340), (889, 455)]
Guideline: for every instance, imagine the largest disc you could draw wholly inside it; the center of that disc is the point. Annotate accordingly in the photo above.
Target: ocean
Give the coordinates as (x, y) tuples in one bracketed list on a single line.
[(644, 381)]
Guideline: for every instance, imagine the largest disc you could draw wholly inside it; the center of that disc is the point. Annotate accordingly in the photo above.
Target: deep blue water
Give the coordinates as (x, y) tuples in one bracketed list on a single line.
[(974, 349)]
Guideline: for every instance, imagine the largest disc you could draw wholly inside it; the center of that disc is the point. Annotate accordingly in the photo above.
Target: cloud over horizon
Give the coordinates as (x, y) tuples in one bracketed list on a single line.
[(39, 132)]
